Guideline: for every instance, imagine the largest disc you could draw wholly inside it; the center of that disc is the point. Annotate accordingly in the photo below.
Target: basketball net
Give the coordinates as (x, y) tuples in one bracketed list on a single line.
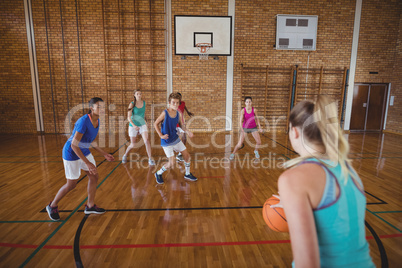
[(203, 48)]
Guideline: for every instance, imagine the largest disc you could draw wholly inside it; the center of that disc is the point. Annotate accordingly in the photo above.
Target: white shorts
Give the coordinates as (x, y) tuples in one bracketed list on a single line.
[(133, 133), (169, 150), (72, 168)]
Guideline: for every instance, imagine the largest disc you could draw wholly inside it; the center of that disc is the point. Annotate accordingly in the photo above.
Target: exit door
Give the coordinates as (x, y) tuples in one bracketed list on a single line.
[(368, 108)]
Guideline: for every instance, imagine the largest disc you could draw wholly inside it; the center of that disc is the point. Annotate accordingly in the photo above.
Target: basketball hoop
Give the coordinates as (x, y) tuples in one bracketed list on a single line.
[(203, 48)]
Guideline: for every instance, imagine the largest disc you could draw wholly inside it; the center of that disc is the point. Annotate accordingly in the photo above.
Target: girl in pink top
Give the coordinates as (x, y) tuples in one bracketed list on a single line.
[(248, 122)]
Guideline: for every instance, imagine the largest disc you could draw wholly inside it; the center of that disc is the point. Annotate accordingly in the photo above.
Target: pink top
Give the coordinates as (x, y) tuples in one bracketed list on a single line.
[(249, 119)]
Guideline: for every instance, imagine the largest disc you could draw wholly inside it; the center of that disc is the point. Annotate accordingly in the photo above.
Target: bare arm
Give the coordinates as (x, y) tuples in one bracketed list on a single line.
[(129, 113), (241, 120), (257, 120), (293, 187), (183, 126), (182, 120), (108, 156), (189, 113), (157, 127)]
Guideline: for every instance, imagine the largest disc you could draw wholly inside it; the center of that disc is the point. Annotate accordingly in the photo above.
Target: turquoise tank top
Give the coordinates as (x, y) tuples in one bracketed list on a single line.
[(339, 221), (138, 115)]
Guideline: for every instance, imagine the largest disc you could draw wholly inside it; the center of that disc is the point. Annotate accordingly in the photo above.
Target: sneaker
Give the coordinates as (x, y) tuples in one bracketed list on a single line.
[(231, 157), (257, 155), (159, 178), (53, 213), (179, 158), (190, 177), (94, 210), (124, 160), (151, 162)]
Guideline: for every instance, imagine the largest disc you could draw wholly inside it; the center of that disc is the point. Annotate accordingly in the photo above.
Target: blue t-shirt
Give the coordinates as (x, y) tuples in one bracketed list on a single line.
[(84, 126), (169, 127)]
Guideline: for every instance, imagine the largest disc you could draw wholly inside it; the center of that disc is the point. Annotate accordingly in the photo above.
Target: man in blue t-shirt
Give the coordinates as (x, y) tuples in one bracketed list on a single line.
[(170, 141), (76, 156)]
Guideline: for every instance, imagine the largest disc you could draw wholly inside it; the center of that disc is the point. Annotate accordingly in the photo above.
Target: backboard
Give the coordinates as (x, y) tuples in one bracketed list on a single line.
[(190, 30)]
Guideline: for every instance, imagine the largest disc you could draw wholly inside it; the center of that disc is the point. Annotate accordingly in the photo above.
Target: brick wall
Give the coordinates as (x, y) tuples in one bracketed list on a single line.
[(255, 37), (16, 99), (380, 51), (78, 60), (202, 83), (394, 112)]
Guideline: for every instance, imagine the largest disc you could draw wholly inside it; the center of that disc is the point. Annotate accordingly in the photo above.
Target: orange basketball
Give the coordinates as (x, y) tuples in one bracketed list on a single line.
[(274, 217)]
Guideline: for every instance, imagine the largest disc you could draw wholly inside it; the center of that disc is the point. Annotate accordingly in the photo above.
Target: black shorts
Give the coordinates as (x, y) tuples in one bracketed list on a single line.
[(250, 130)]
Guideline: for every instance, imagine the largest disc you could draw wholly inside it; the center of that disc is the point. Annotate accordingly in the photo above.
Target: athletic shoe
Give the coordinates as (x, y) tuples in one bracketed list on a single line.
[(94, 210), (151, 162), (53, 213), (159, 178), (179, 158), (124, 160), (257, 155), (231, 157), (190, 177)]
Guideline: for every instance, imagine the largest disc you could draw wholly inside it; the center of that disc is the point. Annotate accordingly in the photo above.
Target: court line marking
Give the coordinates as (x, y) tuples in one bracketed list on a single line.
[(200, 160), (28, 221), (174, 209), (279, 143), (76, 247), (95, 156), (381, 201), (171, 244), (399, 211), (375, 214), (169, 209), (61, 225), (381, 249), (213, 177)]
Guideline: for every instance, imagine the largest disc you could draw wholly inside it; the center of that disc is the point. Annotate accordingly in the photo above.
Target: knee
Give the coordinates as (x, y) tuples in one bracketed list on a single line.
[(186, 156), (71, 186), (93, 179), (170, 163)]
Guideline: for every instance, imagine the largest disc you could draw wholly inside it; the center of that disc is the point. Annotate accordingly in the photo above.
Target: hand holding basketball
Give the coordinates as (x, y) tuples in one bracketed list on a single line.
[(279, 204), (274, 215)]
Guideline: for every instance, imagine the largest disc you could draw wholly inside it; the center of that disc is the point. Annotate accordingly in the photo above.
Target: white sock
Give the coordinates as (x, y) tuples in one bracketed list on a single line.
[(163, 169), (187, 165)]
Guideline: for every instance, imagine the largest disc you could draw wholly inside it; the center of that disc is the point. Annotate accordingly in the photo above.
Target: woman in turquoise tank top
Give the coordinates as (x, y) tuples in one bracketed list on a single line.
[(321, 194), (138, 125)]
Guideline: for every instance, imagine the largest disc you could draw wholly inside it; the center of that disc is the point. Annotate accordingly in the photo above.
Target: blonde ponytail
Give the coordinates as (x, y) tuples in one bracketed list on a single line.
[(320, 125)]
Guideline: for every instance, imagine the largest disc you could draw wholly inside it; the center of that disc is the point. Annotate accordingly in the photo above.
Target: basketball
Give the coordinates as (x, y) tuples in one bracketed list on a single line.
[(274, 217)]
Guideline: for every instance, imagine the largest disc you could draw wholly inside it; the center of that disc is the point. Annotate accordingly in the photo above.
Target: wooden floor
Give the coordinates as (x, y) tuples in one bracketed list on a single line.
[(214, 222)]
